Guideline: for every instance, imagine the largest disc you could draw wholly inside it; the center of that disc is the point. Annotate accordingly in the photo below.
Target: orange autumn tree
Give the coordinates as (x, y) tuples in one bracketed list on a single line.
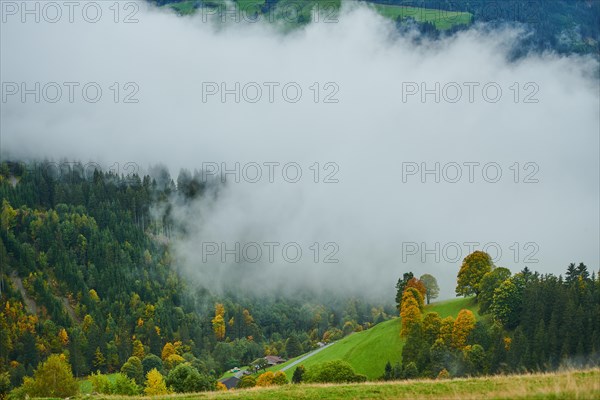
[(417, 284), (414, 293), (463, 326), (410, 310)]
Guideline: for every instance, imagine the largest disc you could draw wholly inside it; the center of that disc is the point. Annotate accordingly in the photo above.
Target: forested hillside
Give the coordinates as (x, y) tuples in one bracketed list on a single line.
[(91, 257), (86, 273)]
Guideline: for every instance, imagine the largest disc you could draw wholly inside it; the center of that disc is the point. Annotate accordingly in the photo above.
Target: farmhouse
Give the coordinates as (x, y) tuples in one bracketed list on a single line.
[(231, 382), (274, 360)]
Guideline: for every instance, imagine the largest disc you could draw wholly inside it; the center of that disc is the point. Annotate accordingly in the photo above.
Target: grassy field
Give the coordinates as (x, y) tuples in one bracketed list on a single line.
[(289, 11), (564, 385), (440, 18), (370, 350)]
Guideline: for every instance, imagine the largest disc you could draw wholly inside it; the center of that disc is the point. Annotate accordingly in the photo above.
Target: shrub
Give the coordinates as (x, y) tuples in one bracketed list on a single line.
[(443, 374), (265, 379), (100, 383), (298, 374), (184, 379), (124, 385), (247, 381), (120, 385), (336, 371), (279, 378)]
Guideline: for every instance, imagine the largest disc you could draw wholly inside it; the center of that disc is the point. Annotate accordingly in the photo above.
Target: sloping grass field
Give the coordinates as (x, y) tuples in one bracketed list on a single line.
[(565, 385), (289, 10), (370, 350), (442, 19)]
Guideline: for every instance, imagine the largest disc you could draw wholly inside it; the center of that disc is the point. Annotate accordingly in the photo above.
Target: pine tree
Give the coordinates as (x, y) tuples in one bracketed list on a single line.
[(387, 374), (298, 374)]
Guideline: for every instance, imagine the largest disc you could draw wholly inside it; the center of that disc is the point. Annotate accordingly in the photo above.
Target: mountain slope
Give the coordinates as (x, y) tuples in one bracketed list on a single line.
[(370, 350)]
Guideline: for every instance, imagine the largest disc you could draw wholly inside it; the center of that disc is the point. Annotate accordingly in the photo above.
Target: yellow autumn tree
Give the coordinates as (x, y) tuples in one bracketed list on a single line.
[(63, 336), (173, 360), (415, 294), (138, 349), (94, 296), (463, 326), (218, 324), (155, 383), (411, 318), (167, 351), (265, 379), (411, 311), (446, 329), (88, 322), (7, 216), (219, 309)]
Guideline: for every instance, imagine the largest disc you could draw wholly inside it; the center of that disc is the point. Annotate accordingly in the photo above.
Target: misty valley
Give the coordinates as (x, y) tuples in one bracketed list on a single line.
[(316, 199)]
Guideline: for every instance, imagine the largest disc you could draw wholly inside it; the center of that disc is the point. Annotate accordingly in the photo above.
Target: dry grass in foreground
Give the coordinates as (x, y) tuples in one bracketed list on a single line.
[(561, 385)]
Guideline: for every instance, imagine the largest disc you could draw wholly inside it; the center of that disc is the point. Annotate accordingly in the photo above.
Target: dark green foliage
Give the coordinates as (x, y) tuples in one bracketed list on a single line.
[(336, 371), (388, 372), (565, 26), (133, 369), (410, 371), (489, 283), (293, 347), (247, 381), (125, 386), (150, 362), (475, 360), (400, 285), (186, 379), (4, 384), (298, 374)]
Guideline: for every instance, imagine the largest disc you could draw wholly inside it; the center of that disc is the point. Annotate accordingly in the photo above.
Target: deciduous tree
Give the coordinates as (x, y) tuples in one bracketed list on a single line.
[(473, 268), (463, 326), (432, 290), (489, 283), (52, 378), (155, 383)]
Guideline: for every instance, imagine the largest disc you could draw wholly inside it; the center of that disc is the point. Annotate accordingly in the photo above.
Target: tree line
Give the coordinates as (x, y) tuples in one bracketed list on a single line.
[(522, 322)]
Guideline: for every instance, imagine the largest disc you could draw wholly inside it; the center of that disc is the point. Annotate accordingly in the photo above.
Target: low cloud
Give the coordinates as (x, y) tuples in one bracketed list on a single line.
[(361, 120)]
